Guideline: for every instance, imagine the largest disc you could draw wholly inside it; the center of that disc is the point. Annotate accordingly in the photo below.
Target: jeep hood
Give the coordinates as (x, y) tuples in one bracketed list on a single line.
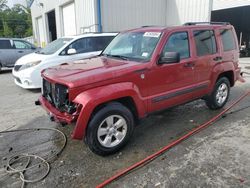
[(88, 71)]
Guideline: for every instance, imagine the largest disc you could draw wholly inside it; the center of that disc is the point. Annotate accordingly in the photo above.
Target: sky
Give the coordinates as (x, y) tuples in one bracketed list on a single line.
[(13, 2)]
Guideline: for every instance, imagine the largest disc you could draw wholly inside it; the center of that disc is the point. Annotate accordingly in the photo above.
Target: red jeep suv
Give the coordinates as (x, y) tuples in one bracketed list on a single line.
[(141, 71)]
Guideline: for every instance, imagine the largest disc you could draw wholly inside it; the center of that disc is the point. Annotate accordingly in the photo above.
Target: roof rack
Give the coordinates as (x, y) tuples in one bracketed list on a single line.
[(148, 26), (209, 23)]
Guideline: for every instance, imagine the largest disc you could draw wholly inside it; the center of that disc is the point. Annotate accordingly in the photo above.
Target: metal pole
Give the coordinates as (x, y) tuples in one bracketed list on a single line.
[(240, 38)]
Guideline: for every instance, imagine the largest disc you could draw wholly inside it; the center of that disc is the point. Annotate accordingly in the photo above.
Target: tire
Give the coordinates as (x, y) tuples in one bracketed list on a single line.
[(220, 94), (104, 135)]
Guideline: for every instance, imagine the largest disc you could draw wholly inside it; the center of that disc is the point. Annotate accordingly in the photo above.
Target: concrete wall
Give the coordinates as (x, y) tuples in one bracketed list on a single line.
[(224, 4), (182, 11), (84, 12), (87, 19), (119, 14), (126, 14)]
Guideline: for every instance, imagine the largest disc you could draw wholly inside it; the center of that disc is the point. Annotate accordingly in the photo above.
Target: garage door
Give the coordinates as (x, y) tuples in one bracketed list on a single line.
[(69, 20), (40, 32)]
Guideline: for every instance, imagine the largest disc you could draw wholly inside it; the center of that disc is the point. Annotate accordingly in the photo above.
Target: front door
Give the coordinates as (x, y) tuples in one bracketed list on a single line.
[(21, 48), (172, 84)]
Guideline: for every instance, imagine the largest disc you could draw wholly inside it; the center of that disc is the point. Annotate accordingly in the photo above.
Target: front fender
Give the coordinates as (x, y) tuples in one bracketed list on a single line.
[(90, 99)]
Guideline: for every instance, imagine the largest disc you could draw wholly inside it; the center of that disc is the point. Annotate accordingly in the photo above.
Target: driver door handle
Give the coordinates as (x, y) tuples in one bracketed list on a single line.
[(218, 59), (189, 64)]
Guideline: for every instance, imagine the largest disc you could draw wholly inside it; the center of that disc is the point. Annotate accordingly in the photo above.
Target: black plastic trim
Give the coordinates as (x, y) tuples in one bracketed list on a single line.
[(178, 93)]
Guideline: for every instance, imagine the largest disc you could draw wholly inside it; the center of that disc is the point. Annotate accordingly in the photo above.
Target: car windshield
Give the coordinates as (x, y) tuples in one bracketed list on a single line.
[(54, 46), (137, 46)]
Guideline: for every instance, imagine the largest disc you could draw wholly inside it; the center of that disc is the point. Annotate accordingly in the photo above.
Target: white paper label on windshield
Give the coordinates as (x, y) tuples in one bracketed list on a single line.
[(145, 54), (152, 34)]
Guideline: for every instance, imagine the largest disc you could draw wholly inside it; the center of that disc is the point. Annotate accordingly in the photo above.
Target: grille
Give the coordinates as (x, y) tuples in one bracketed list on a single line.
[(56, 94), (17, 67)]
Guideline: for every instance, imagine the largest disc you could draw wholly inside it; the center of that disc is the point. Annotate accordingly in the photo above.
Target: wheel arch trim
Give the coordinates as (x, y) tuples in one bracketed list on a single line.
[(90, 99)]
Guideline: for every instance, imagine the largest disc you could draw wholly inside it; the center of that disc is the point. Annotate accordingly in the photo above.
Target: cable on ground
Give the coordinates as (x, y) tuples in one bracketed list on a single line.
[(21, 169)]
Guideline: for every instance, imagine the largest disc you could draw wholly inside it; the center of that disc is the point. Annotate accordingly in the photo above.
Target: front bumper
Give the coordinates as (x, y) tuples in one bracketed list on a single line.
[(58, 116), (25, 79)]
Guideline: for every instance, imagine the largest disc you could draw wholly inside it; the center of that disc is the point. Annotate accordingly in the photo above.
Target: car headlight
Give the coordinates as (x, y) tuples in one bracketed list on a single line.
[(30, 64)]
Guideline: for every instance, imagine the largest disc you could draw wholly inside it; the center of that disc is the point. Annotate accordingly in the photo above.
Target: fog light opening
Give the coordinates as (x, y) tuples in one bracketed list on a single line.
[(27, 82)]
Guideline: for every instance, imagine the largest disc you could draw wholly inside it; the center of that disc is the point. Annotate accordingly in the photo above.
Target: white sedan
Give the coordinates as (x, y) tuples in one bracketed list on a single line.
[(27, 69)]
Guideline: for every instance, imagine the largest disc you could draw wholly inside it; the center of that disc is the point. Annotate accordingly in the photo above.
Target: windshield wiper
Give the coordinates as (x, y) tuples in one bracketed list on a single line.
[(117, 56)]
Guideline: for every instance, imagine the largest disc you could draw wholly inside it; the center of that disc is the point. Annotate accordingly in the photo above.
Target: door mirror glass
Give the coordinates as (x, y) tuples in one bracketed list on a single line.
[(170, 57), (71, 51)]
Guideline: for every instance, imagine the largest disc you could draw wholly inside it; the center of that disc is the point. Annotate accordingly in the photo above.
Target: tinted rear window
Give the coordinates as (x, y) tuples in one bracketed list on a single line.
[(5, 44), (205, 42), (227, 39)]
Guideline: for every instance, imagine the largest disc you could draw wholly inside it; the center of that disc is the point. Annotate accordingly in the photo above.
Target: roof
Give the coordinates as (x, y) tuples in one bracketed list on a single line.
[(189, 25), (90, 35), (9, 38)]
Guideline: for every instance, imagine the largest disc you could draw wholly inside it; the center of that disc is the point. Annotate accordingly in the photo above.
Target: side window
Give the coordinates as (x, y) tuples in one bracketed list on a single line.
[(178, 42), (79, 45), (205, 42), (90, 44), (21, 45), (227, 39), (5, 44)]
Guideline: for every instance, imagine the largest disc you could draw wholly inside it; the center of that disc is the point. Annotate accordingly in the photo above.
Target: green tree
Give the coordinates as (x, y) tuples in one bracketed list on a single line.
[(15, 22), (7, 32)]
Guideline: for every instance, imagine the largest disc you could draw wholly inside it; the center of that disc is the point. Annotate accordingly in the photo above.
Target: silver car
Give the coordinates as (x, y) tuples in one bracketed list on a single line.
[(13, 49)]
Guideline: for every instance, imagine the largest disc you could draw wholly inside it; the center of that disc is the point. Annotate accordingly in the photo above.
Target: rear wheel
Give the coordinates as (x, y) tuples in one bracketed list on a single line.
[(220, 94), (110, 129)]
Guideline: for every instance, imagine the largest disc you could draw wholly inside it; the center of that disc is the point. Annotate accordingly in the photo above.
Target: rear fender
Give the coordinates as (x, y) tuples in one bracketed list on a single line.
[(90, 99), (220, 69)]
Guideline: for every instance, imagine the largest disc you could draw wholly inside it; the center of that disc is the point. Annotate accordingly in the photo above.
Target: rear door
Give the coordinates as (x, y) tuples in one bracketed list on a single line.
[(206, 55), (229, 49), (7, 53)]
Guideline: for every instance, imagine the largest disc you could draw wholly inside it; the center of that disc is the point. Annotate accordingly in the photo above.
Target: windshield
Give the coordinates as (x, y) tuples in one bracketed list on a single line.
[(54, 46), (137, 46)]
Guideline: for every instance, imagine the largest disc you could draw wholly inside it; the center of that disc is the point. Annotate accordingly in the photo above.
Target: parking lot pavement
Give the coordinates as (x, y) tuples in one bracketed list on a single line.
[(219, 156), (216, 157)]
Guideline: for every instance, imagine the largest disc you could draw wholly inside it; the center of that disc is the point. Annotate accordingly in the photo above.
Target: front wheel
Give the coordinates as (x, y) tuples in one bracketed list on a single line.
[(110, 129), (220, 94)]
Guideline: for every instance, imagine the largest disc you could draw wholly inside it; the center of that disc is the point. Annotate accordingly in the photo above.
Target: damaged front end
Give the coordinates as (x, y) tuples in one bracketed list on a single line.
[(55, 100)]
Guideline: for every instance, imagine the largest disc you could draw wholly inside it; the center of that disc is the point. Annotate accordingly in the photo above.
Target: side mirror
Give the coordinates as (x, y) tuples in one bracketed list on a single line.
[(71, 51), (169, 57)]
